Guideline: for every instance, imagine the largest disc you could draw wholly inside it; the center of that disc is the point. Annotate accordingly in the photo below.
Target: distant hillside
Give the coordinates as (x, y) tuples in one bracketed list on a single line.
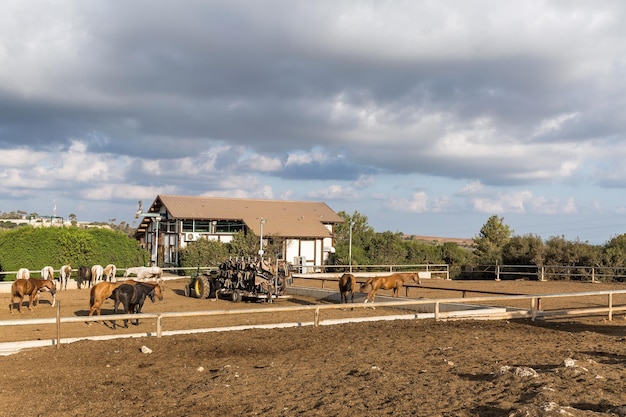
[(441, 240)]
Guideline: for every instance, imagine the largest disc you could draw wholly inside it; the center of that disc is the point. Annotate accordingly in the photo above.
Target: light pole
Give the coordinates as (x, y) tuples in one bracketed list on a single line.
[(350, 248), (262, 222)]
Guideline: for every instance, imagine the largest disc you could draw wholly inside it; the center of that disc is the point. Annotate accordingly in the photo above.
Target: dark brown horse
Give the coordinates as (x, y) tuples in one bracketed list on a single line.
[(100, 292), (132, 298), (393, 282), (103, 290), (347, 287), (31, 287)]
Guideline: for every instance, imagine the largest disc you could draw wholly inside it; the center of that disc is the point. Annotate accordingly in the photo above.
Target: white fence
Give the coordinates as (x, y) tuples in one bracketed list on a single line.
[(426, 308)]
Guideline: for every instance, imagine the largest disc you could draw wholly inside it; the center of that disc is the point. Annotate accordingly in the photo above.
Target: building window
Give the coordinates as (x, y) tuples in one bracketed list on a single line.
[(208, 226)]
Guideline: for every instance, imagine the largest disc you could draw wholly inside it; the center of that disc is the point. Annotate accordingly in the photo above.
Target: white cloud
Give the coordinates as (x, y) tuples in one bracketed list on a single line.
[(418, 203), (263, 163), (363, 181), (333, 192)]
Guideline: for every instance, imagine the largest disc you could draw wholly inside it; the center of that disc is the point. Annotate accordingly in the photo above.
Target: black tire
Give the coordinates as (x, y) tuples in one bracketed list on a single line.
[(235, 296), (188, 290), (202, 286)]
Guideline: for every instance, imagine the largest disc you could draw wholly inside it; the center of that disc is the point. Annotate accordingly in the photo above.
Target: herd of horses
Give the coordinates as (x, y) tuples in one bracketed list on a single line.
[(131, 294)]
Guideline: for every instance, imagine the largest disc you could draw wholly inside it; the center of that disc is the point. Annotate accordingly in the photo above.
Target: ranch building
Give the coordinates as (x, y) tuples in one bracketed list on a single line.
[(306, 228)]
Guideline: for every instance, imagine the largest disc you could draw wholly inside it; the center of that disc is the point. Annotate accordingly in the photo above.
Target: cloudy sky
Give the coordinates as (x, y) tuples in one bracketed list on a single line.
[(427, 117)]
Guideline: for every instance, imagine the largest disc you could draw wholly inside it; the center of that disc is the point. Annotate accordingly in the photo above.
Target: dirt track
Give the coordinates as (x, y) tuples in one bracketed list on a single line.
[(402, 368)]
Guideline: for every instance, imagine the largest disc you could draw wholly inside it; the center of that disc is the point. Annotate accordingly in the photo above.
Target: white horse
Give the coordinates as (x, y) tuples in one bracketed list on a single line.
[(97, 271), (47, 272), (64, 276), (109, 272), (23, 273), (144, 272)]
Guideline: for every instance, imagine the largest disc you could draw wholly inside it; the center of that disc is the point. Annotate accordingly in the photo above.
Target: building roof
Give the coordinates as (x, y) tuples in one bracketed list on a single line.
[(283, 218)]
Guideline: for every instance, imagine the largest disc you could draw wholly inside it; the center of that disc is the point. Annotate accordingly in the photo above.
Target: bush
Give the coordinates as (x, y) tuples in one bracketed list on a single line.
[(203, 252), (35, 247)]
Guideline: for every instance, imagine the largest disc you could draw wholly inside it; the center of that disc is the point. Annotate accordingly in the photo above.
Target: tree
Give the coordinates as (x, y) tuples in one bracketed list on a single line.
[(524, 250), (387, 249), (489, 243), (362, 235), (203, 252), (244, 244)]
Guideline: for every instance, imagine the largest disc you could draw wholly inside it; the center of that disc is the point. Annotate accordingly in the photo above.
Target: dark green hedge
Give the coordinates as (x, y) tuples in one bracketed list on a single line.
[(36, 247)]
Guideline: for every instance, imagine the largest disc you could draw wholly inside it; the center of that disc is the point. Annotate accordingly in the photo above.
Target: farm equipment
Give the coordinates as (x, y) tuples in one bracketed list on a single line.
[(237, 279)]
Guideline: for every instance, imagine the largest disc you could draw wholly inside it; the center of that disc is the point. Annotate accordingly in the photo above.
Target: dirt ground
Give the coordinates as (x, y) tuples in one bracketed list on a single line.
[(556, 367)]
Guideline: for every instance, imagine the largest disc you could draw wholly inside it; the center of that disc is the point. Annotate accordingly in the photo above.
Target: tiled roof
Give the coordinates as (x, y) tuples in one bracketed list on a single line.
[(283, 218)]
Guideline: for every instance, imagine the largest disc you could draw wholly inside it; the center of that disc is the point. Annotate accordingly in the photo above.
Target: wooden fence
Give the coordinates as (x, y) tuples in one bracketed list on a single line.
[(435, 305), (545, 272)]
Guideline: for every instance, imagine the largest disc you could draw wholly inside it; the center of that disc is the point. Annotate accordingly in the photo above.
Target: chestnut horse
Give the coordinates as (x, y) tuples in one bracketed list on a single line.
[(393, 282), (103, 290), (347, 287), (31, 287)]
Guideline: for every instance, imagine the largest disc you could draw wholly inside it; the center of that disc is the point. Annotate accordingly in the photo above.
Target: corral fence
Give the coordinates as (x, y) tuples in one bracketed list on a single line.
[(544, 273), (437, 308)]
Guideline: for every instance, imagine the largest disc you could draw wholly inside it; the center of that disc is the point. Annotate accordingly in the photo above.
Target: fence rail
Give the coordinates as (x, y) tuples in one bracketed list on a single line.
[(533, 311), (546, 272)]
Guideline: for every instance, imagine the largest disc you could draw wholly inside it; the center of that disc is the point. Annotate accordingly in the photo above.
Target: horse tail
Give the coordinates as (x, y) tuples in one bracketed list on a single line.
[(366, 283), (92, 296)]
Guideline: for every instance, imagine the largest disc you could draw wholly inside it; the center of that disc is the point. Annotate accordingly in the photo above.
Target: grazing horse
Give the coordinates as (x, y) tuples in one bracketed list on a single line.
[(84, 276), (97, 272), (347, 287), (100, 292), (47, 272), (23, 273), (64, 275), (109, 272), (31, 287), (132, 298), (393, 282), (103, 290)]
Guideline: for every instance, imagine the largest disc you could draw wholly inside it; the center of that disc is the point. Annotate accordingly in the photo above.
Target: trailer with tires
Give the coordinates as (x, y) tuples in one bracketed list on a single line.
[(242, 279)]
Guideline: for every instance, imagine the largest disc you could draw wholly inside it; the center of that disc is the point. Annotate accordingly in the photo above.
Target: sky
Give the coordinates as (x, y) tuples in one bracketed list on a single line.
[(427, 117)]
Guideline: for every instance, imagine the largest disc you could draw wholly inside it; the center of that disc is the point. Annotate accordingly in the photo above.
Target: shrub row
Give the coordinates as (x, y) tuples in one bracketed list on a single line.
[(35, 247)]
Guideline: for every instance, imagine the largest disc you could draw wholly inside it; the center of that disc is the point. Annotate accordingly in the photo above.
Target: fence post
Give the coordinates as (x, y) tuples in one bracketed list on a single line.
[(316, 321), (497, 272), (610, 306), (58, 325)]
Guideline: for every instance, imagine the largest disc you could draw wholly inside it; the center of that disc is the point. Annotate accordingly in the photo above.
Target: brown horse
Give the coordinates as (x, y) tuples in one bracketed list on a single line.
[(31, 287), (347, 287), (103, 290), (393, 282)]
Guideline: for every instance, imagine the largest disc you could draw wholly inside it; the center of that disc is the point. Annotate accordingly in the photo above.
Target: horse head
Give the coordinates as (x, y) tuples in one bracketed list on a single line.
[(158, 291), (50, 286)]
